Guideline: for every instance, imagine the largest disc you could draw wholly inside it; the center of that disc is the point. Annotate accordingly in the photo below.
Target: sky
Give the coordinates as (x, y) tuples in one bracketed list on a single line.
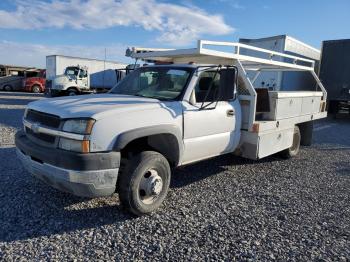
[(32, 29)]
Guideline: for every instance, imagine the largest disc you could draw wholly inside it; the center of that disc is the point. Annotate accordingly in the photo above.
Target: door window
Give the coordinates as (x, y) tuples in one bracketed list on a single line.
[(205, 82), (82, 73)]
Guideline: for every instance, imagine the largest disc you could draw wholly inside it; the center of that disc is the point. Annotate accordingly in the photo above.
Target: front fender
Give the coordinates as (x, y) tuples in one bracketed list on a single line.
[(155, 134)]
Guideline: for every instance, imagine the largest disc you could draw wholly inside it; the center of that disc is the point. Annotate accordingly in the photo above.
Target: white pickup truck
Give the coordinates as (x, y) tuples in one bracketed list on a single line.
[(195, 104)]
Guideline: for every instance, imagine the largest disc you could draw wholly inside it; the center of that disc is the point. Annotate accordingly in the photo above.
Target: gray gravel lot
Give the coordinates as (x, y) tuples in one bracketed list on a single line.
[(226, 208)]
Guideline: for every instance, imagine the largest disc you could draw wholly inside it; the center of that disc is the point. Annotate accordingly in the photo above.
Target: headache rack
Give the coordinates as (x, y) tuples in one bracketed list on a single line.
[(231, 53)]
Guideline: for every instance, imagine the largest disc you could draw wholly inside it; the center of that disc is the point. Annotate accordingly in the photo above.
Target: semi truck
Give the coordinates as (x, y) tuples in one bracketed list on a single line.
[(335, 73), (68, 75), (189, 105)]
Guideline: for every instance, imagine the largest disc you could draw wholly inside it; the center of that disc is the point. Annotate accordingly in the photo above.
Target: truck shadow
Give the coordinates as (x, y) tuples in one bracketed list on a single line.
[(193, 173)]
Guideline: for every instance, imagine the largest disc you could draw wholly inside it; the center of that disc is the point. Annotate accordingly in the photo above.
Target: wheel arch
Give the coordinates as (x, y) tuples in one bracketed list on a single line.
[(166, 139), (73, 88)]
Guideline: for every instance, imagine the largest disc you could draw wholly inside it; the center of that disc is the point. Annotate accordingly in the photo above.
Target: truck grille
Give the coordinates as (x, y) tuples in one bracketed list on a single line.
[(44, 137), (43, 118)]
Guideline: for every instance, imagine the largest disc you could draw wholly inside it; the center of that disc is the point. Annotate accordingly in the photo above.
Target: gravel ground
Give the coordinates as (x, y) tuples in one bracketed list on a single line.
[(223, 209)]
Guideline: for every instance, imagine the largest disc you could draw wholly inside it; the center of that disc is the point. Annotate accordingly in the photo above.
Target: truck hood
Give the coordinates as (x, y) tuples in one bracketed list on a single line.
[(61, 79), (94, 106)]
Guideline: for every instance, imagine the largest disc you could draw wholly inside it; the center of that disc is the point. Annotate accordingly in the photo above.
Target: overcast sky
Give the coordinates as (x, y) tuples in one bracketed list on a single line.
[(32, 29)]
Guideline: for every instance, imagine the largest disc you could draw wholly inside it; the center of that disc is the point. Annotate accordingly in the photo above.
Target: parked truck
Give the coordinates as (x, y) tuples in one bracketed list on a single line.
[(72, 75), (35, 81), (191, 105), (22, 79), (335, 73)]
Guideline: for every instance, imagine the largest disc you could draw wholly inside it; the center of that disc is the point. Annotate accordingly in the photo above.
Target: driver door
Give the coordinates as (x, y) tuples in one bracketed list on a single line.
[(208, 131), (83, 79)]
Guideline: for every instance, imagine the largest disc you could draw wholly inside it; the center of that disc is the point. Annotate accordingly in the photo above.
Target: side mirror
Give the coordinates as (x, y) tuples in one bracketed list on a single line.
[(228, 83)]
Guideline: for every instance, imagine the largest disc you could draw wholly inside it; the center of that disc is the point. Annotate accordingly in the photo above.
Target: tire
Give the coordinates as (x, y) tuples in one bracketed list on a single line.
[(8, 88), (72, 92), (144, 182), (306, 130), (36, 89), (294, 149)]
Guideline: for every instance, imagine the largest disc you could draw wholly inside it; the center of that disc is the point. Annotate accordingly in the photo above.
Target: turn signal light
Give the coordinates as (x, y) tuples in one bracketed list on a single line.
[(85, 146)]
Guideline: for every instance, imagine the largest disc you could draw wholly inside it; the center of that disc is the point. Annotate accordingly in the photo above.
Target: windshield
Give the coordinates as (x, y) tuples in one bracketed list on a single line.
[(71, 71), (163, 83)]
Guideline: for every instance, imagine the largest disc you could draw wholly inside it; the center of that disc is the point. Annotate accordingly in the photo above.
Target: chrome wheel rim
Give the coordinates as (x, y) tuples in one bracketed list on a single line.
[(150, 187)]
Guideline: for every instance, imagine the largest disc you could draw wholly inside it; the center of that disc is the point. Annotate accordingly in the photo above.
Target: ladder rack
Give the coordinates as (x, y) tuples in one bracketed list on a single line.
[(211, 52), (240, 55)]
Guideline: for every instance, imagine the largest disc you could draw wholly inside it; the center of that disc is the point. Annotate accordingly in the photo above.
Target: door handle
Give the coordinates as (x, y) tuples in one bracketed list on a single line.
[(230, 112)]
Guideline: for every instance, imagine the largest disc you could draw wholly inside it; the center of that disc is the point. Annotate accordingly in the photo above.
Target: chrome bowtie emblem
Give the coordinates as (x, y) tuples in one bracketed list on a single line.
[(35, 128)]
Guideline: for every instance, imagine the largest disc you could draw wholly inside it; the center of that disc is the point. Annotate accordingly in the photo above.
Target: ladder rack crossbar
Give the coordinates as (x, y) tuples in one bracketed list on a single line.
[(239, 46)]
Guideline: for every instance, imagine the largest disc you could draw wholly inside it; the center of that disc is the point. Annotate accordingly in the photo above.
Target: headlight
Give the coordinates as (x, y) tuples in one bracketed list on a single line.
[(78, 126), (74, 145)]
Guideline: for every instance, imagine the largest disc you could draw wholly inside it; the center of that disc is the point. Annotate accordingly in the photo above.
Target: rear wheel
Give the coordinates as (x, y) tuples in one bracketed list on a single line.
[(294, 149), (36, 89), (8, 88), (144, 182)]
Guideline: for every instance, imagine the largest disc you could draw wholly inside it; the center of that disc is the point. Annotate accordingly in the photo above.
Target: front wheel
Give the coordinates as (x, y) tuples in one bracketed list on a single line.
[(72, 92), (144, 182), (8, 88), (36, 89)]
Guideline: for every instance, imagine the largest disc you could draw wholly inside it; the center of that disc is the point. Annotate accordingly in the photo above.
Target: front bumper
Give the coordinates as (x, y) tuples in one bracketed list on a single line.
[(88, 175), (54, 92)]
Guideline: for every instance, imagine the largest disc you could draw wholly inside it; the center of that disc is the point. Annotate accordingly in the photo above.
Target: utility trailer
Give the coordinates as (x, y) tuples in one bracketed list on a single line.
[(191, 105)]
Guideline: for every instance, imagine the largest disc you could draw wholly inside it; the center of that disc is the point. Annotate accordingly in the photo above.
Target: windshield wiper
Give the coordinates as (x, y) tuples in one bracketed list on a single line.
[(152, 97)]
